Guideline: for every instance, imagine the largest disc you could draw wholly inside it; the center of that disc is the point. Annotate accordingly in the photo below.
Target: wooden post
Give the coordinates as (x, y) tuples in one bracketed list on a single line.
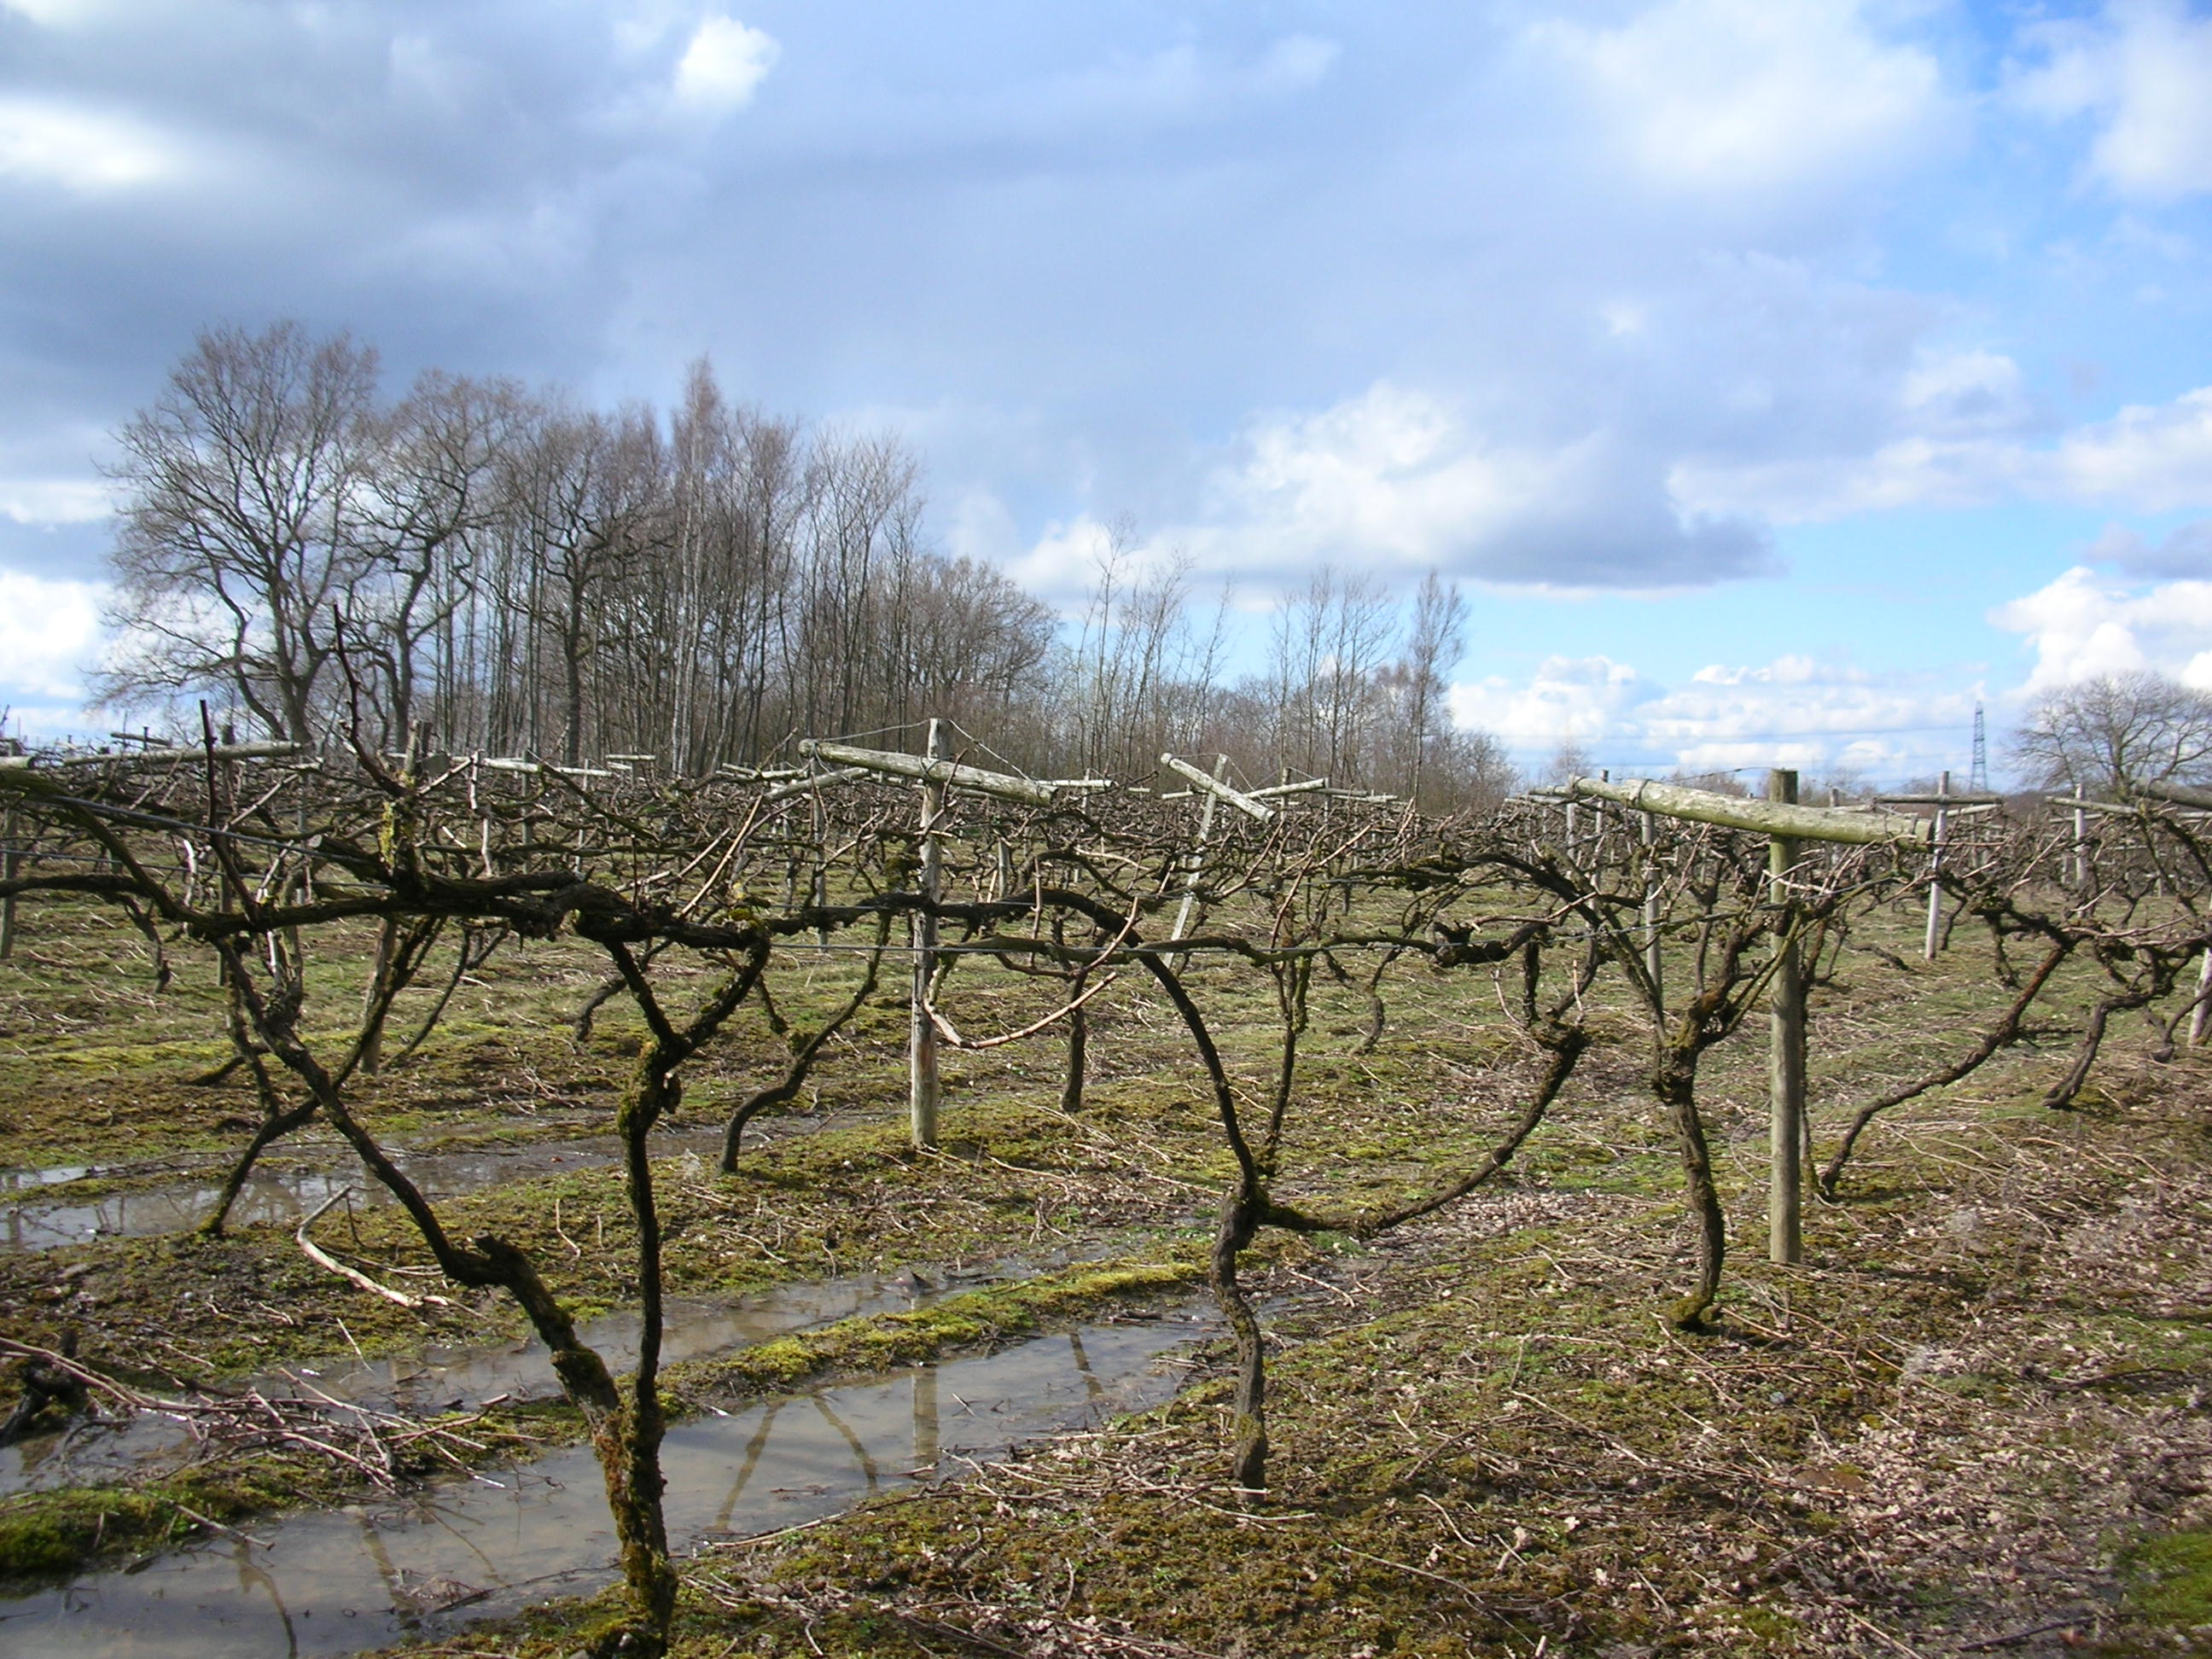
[(2081, 842), (1647, 830), (922, 1036), (11, 862), (1198, 852), (1935, 865), (387, 931), (1786, 1055), (2200, 1018)]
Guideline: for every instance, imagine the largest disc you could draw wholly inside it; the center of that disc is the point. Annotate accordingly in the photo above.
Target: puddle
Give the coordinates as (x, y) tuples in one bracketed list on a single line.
[(336, 1582), (282, 1189), (15, 1180), (461, 1378)]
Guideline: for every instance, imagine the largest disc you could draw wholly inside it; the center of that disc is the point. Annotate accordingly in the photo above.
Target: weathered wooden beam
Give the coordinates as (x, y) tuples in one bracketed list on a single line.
[(1237, 798), (1673, 800), (842, 774), (1939, 800), (1031, 792), (2181, 794), (1305, 785), (544, 768), (152, 757)]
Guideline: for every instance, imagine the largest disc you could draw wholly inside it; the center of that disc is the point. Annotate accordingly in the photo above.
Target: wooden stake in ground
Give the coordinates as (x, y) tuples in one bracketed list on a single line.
[(1648, 832), (922, 1033), (1935, 865), (935, 772), (1786, 1055), (2200, 1016), (2081, 842), (10, 863), (1198, 850), (1784, 823)]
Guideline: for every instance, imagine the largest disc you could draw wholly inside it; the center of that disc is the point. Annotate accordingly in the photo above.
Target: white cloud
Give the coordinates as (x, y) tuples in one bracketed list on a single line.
[(81, 149), (1397, 480), (60, 14), (1576, 700), (1966, 394), (49, 631), (724, 66), (2084, 624), (1745, 94), (1392, 474), (2153, 458), (1795, 711), (1965, 444), (2144, 70), (54, 500), (1182, 80)]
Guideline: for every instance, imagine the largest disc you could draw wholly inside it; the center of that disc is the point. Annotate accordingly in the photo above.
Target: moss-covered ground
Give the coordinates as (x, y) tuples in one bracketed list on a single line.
[(1974, 1419)]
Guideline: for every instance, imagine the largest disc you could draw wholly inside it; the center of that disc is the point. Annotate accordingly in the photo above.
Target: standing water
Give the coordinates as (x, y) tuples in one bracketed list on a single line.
[(282, 1189), (423, 1563)]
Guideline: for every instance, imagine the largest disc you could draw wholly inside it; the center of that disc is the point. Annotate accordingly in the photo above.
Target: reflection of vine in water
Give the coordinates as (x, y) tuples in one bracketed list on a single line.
[(1091, 1386), (861, 1454), (924, 1417), (253, 1577), (747, 1464)]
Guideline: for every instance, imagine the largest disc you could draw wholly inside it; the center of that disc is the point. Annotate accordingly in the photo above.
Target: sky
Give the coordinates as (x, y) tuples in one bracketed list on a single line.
[(1779, 379)]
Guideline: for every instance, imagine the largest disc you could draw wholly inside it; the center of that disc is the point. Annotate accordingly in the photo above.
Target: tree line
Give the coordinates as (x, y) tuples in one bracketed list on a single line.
[(503, 569)]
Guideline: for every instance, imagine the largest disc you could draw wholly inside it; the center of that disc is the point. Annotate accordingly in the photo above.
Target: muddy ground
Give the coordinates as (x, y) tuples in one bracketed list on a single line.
[(1975, 1420)]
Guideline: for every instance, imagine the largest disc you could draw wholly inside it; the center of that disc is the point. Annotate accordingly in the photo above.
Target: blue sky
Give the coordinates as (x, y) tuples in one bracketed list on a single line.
[(1778, 377)]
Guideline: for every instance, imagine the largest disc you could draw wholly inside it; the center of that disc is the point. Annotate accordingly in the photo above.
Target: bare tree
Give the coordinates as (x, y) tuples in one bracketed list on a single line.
[(2104, 732), (511, 570), (247, 485)]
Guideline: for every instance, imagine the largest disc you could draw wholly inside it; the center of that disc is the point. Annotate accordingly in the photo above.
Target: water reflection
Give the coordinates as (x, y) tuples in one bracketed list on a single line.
[(278, 1194), (333, 1582), (441, 1378)]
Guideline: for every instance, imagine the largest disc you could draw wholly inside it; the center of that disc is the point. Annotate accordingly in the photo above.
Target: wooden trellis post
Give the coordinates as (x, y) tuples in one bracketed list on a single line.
[(11, 861), (1198, 850), (2177, 794), (1212, 789), (1949, 805), (1785, 1240), (922, 1033), (2200, 1018), (1784, 823), (1935, 940), (935, 772), (1648, 832)]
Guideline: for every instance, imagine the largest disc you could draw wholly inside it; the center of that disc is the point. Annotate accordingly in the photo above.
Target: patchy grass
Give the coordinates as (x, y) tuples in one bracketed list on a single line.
[(1930, 1435), (2170, 1579), (1980, 1408)]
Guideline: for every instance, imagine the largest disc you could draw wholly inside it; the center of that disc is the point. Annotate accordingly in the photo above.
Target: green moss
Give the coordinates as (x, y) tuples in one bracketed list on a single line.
[(46, 1533), (2169, 1578)]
